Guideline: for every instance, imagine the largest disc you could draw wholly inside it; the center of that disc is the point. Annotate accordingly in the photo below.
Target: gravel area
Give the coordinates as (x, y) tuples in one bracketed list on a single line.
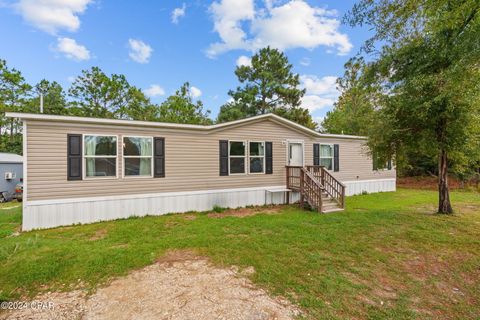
[(179, 286)]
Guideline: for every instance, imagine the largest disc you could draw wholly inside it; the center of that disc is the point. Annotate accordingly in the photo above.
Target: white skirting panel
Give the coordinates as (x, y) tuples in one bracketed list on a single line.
[(53, 213), (42, 214), (369, 186)]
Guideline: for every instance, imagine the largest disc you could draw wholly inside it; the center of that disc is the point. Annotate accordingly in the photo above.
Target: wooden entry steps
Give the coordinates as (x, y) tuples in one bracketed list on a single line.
[(317, 187)]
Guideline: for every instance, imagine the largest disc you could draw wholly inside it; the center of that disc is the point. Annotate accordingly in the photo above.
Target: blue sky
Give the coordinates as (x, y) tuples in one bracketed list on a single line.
[(159, 45)]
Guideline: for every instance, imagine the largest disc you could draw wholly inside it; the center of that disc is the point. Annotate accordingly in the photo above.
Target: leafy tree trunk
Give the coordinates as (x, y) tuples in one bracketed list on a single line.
[(444, 205)]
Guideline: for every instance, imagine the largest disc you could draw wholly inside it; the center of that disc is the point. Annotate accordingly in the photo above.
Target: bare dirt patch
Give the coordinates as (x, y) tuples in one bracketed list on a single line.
[(458, 208), (382, 291), (180, 285), (246, 212), (64, 306), (99, 234), (440, 283), (189, 216), (466, 208)]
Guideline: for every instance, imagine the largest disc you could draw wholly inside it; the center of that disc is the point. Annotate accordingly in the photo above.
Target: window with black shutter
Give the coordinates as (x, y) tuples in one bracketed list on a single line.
[(336, 157), (74, 157), (316, 154), (268, 158), (374, 161), (159, 157), (223, 152), (245, 157), (379, 164)]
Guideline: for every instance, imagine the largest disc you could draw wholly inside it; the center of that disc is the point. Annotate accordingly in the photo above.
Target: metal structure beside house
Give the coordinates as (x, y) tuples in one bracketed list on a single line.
[(11, 173)]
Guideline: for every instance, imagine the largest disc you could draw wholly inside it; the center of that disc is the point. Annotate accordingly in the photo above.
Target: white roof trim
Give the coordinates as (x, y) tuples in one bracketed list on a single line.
[(6, 157), (136, 123)]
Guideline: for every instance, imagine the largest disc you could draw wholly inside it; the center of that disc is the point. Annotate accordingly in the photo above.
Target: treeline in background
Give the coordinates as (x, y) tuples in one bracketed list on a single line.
[(267, 85)]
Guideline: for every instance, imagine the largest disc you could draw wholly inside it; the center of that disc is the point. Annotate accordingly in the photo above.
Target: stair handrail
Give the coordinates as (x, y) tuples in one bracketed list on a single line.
[(332, 186), (312, 181), (311, 176), (311, 188), (293, 174)]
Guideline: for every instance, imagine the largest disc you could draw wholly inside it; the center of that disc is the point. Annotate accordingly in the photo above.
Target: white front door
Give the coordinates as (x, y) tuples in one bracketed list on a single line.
[(295, 154)]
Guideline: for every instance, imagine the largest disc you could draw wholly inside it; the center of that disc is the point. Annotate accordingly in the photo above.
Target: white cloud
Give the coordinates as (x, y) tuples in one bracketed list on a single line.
[(177, 13), (305, 62), (52, 15), (244, 61), (320, 92), (324, 86), (228, 15), (313, 102), (139, 51), (72, 50), (319, 119), (154, 91), (195, 92), (294, 24)]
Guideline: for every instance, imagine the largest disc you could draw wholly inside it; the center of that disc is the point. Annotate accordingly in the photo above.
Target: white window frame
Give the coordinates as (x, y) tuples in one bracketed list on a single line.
[(245, 156), (84, 161), (250, 156), (385, 168), (139, 157), (332, 157)]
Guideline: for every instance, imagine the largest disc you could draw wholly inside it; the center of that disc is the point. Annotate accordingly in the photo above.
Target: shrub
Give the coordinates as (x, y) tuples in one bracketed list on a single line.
[(218, 209)]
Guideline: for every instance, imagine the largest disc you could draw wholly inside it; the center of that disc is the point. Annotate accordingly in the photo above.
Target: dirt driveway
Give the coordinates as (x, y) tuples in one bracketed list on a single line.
[(180, 286)]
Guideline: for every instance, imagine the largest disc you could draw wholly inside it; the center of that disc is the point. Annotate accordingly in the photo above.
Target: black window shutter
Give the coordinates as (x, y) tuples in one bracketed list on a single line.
[(268, 158), (389, 164), (159, 157), (336, 157), (374, 160), (74, 157), (316, 154), (223, 152)]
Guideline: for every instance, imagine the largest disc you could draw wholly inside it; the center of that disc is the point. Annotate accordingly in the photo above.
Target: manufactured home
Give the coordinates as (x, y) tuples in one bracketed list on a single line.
[(83, 170)]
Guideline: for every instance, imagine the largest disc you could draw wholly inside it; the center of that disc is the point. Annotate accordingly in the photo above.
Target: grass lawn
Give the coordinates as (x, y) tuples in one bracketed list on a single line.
[(386, 256)]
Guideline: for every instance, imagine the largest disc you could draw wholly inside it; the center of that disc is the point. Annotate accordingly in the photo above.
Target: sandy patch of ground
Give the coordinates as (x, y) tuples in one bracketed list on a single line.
[(179, 286), (189, 216), (99, 234), (246, 212), (432, 209)]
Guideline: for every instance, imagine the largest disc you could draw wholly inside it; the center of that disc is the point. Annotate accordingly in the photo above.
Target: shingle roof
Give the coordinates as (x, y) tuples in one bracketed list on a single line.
[(10, 158)]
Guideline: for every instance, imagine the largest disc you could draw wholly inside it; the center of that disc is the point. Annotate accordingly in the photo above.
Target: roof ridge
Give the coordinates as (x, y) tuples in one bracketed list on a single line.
[(36, 116)]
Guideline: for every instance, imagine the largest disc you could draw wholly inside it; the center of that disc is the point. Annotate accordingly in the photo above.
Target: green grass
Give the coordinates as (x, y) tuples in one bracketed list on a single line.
[(386, 257), (10, 218)]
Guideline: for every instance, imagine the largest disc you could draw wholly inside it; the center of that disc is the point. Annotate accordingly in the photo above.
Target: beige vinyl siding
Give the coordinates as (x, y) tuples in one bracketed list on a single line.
[(355, 163), (191, 159)]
